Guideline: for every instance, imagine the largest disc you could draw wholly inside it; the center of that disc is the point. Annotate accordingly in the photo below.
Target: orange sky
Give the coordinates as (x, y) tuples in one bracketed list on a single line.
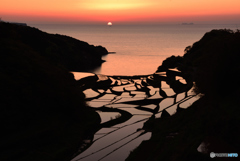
[(120, 10)]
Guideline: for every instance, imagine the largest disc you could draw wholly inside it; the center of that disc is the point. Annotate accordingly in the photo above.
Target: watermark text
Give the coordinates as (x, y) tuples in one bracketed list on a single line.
[(213, 155)]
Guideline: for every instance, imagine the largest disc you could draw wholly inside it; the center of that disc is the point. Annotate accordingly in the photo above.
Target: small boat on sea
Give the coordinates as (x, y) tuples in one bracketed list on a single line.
[(187, 23)]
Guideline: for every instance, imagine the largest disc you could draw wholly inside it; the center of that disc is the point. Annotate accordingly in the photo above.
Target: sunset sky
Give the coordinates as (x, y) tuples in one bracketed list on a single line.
[(119, 11)]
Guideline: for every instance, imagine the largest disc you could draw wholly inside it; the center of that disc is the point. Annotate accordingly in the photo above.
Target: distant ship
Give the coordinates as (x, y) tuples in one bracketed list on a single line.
[(187, 23)]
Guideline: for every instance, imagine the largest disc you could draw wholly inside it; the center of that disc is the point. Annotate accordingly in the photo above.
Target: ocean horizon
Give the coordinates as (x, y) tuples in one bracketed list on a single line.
[(140, 49)]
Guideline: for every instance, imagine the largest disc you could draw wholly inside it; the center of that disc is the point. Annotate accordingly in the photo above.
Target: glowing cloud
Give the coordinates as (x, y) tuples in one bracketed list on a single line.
[(114, 4), (118, 10)]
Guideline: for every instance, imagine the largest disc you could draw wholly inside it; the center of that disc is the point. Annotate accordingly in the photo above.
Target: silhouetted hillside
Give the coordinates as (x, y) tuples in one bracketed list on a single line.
[(214, 61), (43, 112), (216, 58), (74, 54), (213, 121)]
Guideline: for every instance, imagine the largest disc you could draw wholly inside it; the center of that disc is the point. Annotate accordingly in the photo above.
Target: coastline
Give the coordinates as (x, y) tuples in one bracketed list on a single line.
[(44, 114), (211, 124), (63, 104), (188, 133)]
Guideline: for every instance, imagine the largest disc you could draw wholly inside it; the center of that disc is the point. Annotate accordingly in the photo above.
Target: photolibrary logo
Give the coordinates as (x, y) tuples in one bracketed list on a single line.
[(213, 155)]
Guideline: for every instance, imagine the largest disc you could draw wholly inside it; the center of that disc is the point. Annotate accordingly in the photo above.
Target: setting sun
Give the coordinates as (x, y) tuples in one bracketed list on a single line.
[(88, 80)]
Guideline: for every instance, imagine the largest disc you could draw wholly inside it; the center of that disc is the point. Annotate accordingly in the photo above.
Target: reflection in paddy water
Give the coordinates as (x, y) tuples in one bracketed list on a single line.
[(134, 111), (134, 100), (106, 116)]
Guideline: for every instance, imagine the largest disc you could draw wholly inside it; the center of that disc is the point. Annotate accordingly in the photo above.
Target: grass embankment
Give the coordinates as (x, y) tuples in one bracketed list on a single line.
[(213, 119), (43, 112)]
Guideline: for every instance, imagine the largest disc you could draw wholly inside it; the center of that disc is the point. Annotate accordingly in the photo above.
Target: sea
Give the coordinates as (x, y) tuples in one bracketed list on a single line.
[(138, 49)]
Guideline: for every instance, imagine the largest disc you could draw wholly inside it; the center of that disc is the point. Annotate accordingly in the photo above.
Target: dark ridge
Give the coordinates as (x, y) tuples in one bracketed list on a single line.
[(213, 64), (43, 112), (61, 50), (216, 59)]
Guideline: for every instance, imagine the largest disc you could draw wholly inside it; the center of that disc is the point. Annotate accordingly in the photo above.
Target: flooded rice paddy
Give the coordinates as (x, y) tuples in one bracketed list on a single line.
[(124, 104)]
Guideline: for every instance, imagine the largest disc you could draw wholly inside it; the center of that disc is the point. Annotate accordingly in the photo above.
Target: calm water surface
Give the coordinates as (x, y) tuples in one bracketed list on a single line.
[(116, 141), (140, 49)]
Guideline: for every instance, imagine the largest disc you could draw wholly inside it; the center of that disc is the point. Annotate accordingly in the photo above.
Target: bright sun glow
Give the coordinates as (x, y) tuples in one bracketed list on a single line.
[(120, 10), (109, 23), (114, 4)]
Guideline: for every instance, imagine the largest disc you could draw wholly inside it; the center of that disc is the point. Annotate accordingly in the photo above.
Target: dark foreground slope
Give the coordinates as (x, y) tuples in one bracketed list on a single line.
[(43, 114), (213, 121)]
